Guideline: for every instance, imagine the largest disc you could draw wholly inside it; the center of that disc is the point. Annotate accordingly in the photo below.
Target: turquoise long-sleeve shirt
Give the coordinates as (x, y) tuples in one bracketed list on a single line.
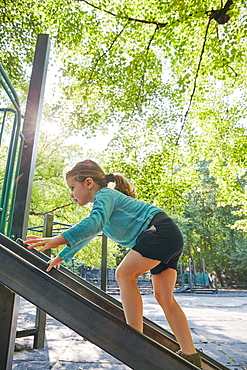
[(121, 218)]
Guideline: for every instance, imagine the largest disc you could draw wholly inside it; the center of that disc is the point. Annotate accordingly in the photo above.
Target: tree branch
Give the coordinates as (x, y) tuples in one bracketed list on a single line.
[(102, 55), (195, 83), (145, 63), (236, 75), (160, 24), (221, 15), (51, 211)]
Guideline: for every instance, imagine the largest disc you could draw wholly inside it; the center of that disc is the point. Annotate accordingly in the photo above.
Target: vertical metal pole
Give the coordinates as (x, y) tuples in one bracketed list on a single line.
[(216, 285), (40, 321), (190, 275), (48, 229), (24, 186), (204, 273), (181, 274), (9, 307), (194, 271), (30, 132), (104, 263)]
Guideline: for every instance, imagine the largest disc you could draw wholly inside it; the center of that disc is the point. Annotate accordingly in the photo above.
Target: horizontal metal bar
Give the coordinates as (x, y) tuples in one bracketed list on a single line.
[(8, 110), (26, 332), (101, 299), (87, 319)]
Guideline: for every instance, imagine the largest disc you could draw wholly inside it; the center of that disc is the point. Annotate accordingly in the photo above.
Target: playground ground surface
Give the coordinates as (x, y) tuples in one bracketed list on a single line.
[(218, 323)]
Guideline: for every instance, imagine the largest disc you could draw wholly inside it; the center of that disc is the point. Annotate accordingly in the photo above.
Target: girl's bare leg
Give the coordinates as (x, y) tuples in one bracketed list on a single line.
[(132, 266), (163, 290)]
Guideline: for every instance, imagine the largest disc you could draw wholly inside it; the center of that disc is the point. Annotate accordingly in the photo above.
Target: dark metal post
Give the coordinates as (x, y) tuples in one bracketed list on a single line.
[(194, 272), (181, 274), (204, 273), (104, 263), (31, 132), (24, 187), (48, 229), (40, 321), (9, 307), (216, 285), (190, 275)]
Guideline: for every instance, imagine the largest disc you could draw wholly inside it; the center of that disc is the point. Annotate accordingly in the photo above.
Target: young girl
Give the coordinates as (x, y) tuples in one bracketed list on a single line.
[(154, 240)]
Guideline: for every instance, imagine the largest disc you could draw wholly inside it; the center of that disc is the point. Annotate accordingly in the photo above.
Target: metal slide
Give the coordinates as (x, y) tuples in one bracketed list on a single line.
[(89, 311)]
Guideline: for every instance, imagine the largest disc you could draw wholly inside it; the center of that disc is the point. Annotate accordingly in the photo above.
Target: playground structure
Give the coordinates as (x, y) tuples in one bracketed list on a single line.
[(60, 293), (192, 281)]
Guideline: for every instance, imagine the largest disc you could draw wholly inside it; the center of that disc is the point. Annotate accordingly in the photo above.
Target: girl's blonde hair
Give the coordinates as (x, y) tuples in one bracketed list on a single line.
[(88, 168)]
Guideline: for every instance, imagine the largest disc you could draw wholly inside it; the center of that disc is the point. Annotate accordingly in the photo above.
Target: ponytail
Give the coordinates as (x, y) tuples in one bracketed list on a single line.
[(121, 184)]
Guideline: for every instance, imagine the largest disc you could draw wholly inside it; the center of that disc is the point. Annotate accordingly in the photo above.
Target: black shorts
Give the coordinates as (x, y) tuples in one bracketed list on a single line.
[(162, 241)]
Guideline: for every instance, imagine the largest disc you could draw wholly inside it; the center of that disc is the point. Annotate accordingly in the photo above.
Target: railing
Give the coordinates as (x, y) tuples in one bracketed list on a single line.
[(11, 143)]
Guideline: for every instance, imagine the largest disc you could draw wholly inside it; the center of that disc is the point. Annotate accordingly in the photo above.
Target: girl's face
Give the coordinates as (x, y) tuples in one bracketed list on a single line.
[(82, 192)]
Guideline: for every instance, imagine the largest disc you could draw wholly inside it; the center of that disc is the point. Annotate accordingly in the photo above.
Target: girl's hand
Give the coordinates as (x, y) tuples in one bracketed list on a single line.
[(55, 262), (45, 243)]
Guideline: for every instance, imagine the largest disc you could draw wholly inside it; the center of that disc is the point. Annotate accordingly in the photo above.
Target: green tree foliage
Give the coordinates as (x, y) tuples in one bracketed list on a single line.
[(170, 78), (208, 225), (118, 57)]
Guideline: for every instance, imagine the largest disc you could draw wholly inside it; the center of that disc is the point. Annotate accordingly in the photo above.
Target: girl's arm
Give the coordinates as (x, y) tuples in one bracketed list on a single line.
[(92, 225), (45, 243)]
